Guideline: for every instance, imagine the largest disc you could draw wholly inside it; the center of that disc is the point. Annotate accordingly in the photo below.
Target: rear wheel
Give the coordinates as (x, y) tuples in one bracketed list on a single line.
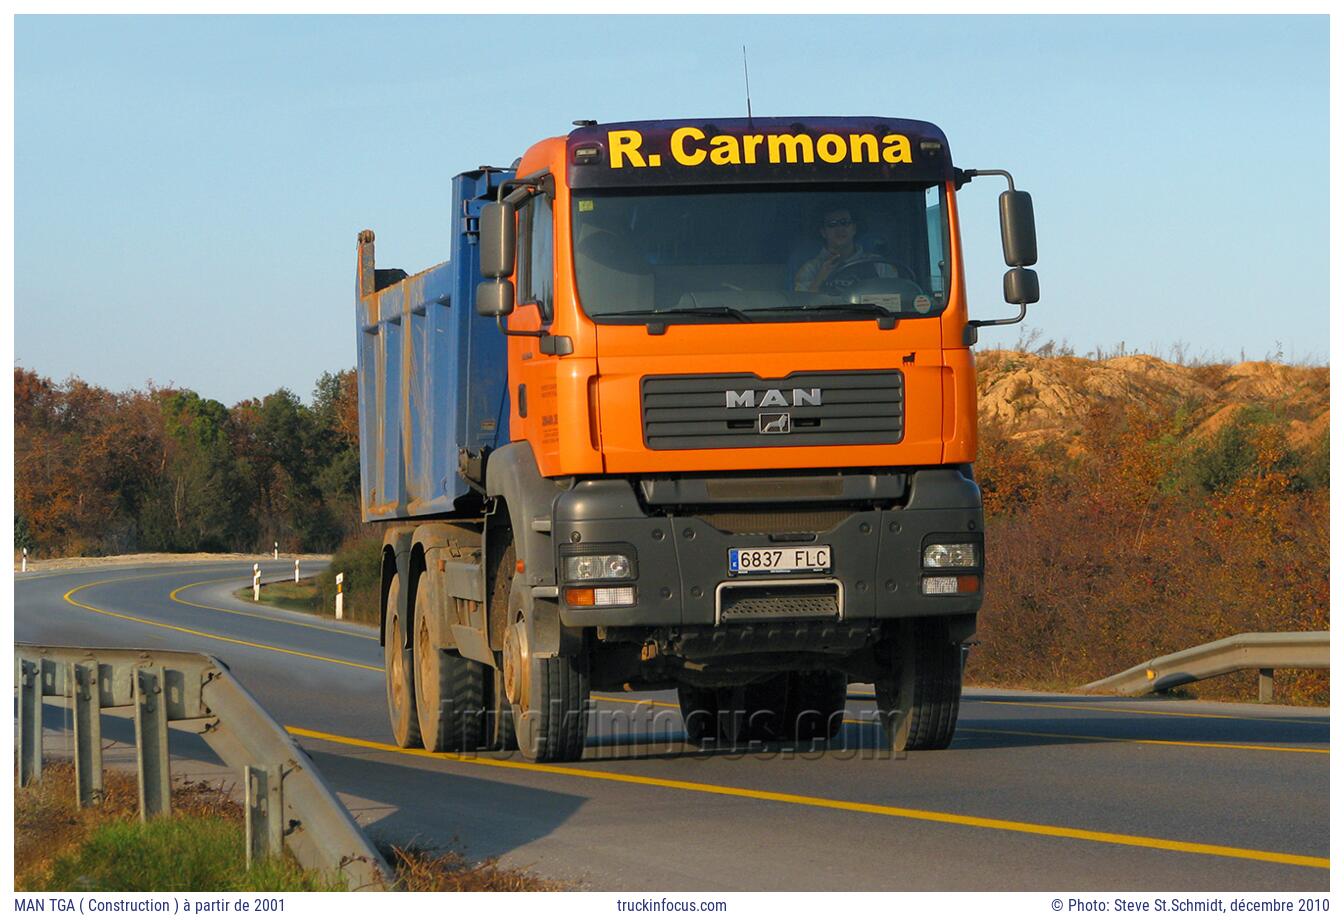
[(449, 689), (920, 695), (755, 712), (816, 707), (699, 712), (398, 671)]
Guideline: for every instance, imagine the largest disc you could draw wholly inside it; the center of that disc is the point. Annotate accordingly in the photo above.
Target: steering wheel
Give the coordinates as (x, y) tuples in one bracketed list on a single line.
[(855, 275)]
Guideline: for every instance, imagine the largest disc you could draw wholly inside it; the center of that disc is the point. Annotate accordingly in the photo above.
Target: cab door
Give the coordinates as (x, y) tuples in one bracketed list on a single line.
[(535, 416)]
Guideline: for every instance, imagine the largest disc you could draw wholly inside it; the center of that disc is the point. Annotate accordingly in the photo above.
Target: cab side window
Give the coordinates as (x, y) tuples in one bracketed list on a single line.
[(935, 216), (536, 255)]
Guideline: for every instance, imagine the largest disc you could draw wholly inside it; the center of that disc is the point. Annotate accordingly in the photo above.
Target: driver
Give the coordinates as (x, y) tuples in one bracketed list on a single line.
[(839, 256)]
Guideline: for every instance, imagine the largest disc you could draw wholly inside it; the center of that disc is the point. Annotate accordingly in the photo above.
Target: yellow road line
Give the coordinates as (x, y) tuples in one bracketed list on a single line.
[(172, 595), (1227, 745), (69, 599), (914, 814)]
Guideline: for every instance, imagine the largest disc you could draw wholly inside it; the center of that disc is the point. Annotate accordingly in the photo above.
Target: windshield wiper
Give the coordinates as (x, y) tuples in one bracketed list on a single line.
[(868, 309), (684, 311), (886, 319)]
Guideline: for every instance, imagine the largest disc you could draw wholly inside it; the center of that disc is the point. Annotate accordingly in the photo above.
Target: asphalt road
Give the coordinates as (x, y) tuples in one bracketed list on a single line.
[(1037, 792)]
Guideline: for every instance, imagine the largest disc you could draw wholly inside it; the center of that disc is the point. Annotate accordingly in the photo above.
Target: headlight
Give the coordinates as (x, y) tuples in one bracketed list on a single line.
[(951, 556), (588, 568)]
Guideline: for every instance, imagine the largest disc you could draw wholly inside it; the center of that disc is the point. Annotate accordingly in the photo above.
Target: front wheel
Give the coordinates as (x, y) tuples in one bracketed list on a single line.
[(919, 695), (549, 697), (499, 733)]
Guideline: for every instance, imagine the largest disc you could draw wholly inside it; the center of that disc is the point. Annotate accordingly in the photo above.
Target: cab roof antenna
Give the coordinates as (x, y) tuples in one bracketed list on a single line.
[(746, 77)]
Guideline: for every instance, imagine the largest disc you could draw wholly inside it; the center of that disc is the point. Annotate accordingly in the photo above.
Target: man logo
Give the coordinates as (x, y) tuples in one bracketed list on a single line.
[(746, 399), (774, 423)]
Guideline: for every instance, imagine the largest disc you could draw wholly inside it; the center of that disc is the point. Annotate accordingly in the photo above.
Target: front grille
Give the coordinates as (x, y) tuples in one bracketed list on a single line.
[(782, 600), (743, 410), (803, 521)]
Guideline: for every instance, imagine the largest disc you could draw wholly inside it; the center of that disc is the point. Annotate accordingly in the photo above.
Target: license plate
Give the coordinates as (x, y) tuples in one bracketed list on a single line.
[(747, 560)]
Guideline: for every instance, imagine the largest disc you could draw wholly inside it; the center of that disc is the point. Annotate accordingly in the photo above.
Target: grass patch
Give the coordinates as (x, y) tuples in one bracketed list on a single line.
[(303, 597), (58, 847), (175, 854), (199, 847)]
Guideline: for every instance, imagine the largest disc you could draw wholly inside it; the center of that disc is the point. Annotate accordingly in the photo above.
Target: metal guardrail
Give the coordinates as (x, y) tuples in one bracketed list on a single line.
[(287, 803), (1265, 652)]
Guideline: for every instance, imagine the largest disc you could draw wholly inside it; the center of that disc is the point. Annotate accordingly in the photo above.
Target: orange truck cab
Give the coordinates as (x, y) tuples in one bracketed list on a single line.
[(729, 365)]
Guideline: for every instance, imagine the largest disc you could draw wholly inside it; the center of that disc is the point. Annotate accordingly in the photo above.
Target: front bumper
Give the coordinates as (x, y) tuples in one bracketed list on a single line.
[(682, 578)]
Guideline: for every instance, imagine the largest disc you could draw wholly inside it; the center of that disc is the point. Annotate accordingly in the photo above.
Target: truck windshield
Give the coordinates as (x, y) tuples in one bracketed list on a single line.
[(761, 255)]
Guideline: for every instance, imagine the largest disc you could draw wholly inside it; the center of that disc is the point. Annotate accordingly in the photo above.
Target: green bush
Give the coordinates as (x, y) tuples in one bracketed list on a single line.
[(1231, 454), (361, 559)]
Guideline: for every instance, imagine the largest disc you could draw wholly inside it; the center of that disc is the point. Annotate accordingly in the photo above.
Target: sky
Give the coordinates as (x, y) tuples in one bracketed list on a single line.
[(188, 189)]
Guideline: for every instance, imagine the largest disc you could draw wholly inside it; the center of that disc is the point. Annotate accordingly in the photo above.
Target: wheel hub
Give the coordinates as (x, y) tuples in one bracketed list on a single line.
[(398, 666), (515, 665)]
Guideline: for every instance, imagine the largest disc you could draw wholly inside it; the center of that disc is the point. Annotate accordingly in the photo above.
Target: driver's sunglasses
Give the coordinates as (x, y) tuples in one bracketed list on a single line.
[(838, 222)]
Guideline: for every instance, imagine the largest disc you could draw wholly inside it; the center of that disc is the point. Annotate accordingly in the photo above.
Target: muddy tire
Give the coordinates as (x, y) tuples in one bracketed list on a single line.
[(449, 689), (499, 730), (920, 695), (550, 699), (499, 733), (399, 672)]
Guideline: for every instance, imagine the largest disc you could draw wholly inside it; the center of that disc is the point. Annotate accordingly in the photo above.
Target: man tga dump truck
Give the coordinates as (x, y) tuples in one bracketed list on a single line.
[(690, 405)]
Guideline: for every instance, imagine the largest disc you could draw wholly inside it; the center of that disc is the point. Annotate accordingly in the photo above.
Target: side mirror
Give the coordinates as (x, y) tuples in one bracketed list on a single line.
[(498, 241), (1021, 286), (1017, 225), (494, 298)]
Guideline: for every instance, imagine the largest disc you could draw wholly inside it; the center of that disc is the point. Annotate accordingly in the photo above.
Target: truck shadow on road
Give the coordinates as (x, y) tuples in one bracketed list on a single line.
[(864, 741), (975, 733), (863, 738), (428, 803)]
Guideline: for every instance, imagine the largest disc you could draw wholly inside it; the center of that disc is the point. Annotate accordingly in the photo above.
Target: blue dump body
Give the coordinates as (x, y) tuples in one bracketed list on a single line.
[(432, 374)]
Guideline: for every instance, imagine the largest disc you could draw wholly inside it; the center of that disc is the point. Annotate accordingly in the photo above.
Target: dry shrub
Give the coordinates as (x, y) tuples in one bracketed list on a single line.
[(1129, 556), (422, 870)]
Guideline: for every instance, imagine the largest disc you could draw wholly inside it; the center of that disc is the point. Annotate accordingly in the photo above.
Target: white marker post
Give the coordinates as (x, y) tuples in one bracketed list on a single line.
[(340, 597), (296, 571), (277, 549), (256, 581), (23, 566)]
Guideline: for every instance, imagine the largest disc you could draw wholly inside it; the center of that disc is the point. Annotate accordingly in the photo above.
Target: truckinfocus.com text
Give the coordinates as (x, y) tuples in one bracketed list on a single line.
[(655, 905)]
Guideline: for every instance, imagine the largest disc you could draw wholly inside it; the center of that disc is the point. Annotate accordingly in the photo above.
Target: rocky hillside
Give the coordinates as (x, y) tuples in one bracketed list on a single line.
[(1031, 398)]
